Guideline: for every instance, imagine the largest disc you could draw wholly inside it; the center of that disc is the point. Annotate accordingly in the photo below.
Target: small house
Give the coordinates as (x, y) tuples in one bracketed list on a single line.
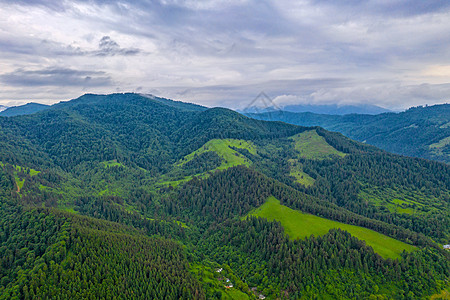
[(447, 247)]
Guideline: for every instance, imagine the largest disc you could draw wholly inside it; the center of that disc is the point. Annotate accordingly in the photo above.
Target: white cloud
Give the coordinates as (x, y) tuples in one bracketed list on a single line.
[(225, 52)]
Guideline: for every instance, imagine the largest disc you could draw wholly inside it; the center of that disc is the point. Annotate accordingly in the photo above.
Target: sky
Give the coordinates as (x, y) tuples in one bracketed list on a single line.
[(390, 53)]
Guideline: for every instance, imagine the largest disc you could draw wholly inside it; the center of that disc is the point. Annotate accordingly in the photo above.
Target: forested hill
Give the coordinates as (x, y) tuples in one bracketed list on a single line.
[(133, 196), (27, 109), (137, 130), (419, 131)]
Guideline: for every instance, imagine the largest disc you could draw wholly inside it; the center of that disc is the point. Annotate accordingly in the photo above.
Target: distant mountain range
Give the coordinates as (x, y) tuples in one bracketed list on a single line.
[(330, 109), (27, 109), (419, 131), (2, 108), (334, 109)]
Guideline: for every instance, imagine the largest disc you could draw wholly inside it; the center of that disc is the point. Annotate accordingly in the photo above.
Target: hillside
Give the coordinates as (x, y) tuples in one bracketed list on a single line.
[(418, 132), (26, 109), (301, 225), (133, 186)]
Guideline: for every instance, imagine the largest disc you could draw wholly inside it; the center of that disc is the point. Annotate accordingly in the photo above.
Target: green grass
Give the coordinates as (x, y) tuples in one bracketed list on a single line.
[(209, 278), (446, 125), (401, 200), (310, 145), (443, 295), (19, 182), (111, 163), (235, 294), (182, 224), (34, 172), (300, 225), (437, 148), (301, 177), (231, 158), (222, 148)]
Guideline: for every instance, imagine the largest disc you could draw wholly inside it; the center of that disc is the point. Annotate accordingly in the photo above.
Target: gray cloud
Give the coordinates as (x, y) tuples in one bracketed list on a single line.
[(56, 77), (48, 48), (108, 47), (317, 91), (226, 52), (387, 8)]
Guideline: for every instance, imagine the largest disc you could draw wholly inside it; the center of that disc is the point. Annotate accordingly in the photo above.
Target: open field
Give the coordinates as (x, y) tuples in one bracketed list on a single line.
[(222, 148), (301, 225), (310, 145)]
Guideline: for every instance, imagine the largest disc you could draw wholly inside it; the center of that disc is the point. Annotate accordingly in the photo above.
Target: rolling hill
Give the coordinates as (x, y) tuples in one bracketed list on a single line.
[(143, 197)]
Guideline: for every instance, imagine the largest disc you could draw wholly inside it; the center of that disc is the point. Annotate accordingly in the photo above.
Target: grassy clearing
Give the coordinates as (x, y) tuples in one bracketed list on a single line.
[(210, 278), (300, 225), (437, 148), (404, 201), (222, 148), (19, 173), (444, 295), (310, 145), (19, 182), (111, 163), (301, 177), (231, 158)]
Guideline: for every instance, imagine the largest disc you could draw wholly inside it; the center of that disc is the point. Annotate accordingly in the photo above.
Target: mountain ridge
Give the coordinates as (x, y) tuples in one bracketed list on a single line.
[(419, 131), (136, 171), (26, 109)]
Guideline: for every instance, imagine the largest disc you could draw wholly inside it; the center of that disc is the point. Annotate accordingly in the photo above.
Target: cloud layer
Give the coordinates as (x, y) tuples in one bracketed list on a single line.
[(223, 53)]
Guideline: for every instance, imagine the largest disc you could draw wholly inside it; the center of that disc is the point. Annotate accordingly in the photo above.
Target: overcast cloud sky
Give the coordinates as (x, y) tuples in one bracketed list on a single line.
[(392, 53)]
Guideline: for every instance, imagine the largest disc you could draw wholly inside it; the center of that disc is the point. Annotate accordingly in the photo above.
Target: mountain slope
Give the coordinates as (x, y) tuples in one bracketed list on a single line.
[(26, 109), (420, 131), (177, 181)]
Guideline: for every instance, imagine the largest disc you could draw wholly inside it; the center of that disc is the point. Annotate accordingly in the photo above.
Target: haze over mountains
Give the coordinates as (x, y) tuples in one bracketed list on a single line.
[(167, 193), (330, 109), (419, 131)]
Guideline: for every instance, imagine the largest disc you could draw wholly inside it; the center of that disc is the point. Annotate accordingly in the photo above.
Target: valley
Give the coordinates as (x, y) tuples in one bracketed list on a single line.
[(104, 187)]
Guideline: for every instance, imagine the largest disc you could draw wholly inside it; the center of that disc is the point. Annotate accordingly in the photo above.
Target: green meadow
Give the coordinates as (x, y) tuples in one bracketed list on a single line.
[(222, 147), (310, 145), (301, 177), (300, 225)]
